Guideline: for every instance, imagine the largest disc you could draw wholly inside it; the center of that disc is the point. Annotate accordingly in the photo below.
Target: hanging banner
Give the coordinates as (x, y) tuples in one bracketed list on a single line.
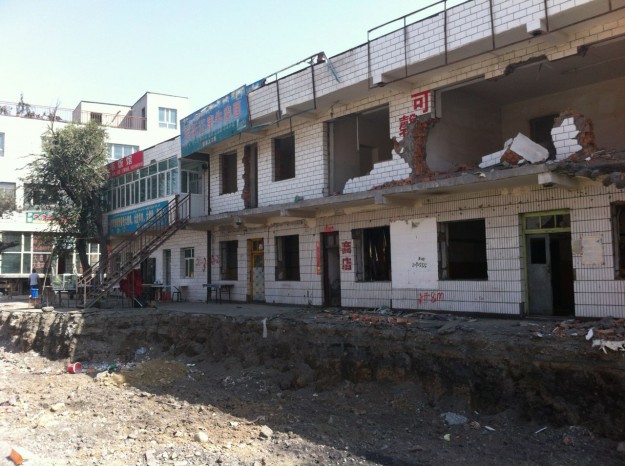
[(217, 121), (131, 220)]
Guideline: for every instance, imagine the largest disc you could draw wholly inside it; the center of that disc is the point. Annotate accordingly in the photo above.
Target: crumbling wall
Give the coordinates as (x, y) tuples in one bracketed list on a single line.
[(572, 136), (383, 172), (573, 133)]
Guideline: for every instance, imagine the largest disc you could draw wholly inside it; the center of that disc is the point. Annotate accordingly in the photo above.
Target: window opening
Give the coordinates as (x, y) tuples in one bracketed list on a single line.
[(287, 258), (188, 262), (372, 254), (228, 260), (462, 250), (284, 157), (229, 173)]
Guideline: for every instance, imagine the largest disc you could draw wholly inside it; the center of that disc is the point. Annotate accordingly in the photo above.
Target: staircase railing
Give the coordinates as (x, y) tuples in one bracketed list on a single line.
[(96, 282)]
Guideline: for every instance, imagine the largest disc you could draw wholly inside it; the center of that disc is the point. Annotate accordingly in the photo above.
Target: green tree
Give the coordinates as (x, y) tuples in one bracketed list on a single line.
[(69, 177)]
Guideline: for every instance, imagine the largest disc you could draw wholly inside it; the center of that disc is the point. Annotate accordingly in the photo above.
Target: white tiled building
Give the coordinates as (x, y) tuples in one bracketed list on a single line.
[(130, 128), (411, 171)]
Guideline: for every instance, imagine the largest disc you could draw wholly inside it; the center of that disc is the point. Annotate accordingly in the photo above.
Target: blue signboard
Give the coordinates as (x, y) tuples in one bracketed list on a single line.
[(217, 121), (131, 220)]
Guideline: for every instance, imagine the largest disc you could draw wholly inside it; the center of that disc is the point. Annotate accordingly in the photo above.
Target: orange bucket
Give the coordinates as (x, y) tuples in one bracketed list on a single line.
[(74, 368)]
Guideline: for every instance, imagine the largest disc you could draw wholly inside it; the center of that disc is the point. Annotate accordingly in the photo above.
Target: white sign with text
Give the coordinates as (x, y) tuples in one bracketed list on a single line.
[(414, 255)]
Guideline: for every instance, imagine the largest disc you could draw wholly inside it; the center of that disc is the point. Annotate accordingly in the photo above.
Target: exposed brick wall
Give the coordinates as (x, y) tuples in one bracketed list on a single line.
[(597, 293)]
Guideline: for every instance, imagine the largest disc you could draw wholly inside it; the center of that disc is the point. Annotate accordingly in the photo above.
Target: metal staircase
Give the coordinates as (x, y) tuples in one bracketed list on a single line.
[(101, 277)]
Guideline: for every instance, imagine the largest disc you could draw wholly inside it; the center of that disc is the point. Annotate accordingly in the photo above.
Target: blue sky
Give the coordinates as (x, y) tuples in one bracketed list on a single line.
[(116, 50)]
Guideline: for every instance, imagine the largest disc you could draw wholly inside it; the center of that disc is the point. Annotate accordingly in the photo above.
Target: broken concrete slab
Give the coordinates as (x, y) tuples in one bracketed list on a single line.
[(528, 149)]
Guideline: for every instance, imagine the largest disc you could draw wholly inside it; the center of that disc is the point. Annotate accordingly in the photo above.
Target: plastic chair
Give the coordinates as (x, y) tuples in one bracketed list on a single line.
[(176, 295)]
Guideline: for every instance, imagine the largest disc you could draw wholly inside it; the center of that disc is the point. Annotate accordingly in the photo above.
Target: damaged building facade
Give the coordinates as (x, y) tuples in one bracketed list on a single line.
[(465, 159)]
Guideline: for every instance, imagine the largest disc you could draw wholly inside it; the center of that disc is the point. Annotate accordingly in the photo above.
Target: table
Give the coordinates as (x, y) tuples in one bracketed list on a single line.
[(60, 292), (152, 291), (219, 288)]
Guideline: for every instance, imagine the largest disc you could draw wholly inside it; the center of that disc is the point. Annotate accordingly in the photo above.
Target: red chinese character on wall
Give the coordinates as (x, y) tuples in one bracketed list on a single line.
[(421, 101), (236, 108), (346, 263), (227, 113), (209, 122), (403, 125), (346, 247)]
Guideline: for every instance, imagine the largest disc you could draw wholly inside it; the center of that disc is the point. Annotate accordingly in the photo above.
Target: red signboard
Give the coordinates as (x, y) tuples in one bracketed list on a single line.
[(125, 165)]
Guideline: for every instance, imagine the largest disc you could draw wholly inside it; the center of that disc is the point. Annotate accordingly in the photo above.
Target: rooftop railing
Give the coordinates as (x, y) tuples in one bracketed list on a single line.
[(65, 115)]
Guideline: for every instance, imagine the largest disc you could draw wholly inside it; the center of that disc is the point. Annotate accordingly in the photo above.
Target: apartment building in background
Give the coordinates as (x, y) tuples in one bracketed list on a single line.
[(466, 159), (130, 128)]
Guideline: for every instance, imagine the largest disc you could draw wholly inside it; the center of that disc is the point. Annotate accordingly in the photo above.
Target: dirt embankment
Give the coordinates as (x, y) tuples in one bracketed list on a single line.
[(490, 366)]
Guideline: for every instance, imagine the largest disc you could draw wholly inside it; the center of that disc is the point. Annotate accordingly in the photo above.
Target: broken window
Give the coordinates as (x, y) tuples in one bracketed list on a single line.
[(287, 258), (618, 229), (228, 260), (188, 262), (229, 173), (356, 143), (372, 254), (462, 250), (284, 157)]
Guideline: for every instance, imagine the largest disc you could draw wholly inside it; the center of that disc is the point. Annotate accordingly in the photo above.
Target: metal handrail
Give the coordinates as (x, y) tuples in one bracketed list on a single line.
[(66, 115), (125, 256)]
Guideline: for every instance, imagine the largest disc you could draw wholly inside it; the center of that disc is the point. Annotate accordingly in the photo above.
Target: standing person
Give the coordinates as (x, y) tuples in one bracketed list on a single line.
[(33, 281)]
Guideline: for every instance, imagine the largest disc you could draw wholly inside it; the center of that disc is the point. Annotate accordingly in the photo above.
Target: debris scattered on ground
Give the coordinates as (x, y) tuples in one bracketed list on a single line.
[(453, 419)]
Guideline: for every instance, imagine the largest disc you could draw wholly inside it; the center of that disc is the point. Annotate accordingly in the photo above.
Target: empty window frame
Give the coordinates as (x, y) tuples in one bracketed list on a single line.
[(187, 256), (167, 118), (287, 258), (284, 157), (228, 167), (356, 143), (228, 260), (462, 250), (372, 254)]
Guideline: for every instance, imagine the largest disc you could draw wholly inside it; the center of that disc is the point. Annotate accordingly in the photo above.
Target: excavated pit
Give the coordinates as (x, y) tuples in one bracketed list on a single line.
[(488, 365)]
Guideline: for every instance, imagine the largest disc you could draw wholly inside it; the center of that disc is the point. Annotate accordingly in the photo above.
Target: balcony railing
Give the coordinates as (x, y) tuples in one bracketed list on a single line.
[(65, 115)]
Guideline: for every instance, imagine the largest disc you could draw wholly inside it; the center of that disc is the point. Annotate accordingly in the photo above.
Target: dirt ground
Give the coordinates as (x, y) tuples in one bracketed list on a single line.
[(160, 410)]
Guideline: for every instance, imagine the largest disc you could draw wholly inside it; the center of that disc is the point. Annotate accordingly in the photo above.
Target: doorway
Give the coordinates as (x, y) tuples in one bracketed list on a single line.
[(549, 264), (148, 270), (331, 269), (256, 286), (167, 271)]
